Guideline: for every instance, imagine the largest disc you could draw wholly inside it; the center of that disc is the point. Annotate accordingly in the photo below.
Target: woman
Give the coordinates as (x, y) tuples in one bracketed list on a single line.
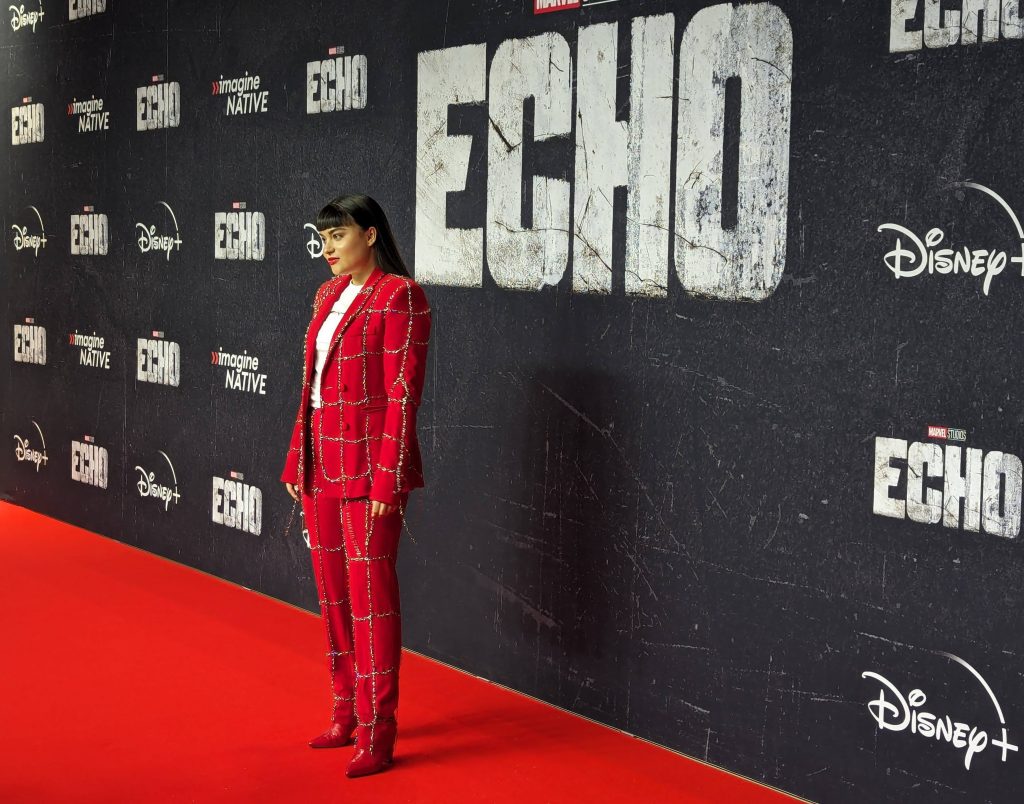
[(353, 459)]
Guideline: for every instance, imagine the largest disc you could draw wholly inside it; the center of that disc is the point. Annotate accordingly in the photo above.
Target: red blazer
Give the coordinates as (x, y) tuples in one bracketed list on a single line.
[(370, 389)]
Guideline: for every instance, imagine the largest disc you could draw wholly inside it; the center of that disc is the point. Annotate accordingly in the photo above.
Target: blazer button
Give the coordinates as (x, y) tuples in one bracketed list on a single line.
[(344, 387), (344, 426)]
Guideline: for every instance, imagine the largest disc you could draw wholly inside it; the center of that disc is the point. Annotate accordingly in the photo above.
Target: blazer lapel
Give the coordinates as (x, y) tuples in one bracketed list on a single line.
[(361, 300), (318, 320)]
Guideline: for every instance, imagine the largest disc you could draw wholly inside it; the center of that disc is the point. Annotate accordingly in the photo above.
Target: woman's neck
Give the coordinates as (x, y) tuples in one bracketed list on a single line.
[(359, 277)]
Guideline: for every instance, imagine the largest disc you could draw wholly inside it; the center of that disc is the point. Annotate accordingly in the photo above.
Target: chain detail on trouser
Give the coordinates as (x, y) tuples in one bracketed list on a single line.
[(353, 557)]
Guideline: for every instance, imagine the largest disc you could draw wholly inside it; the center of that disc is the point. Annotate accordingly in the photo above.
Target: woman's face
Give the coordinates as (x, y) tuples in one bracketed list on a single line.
[(348, 249)]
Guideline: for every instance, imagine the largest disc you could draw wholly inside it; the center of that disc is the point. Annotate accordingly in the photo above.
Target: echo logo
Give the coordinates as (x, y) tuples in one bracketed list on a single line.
[(90, 232), (27, 123), (337, 83), (89, 462), (159, 361), (730, 240), (158, 105), (239, 235), (938, 477), (30, 343), (237, 504), (77, 9)]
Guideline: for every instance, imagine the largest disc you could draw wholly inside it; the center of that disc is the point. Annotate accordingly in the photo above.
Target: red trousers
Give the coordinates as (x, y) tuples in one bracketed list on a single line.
[(354, 564)]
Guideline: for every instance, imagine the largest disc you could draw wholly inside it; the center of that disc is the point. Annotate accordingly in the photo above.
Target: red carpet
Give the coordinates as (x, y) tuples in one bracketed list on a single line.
[(129, 678)]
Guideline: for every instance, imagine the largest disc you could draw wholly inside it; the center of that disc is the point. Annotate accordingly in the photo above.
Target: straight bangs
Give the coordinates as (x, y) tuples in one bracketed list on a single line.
[(331, 217), (362, 211)]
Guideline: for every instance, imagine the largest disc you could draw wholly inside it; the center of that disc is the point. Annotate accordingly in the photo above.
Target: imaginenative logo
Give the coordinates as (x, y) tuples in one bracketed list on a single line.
[(92, 349), (91, 114), (243, 95), (243, 371)]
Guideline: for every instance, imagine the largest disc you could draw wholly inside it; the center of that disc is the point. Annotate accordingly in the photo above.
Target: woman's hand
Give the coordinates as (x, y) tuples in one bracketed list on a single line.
[(292, 490), (381, 509)]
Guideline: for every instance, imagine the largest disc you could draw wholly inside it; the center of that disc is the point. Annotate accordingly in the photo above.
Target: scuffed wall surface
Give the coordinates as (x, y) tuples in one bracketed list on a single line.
[(720, 430)]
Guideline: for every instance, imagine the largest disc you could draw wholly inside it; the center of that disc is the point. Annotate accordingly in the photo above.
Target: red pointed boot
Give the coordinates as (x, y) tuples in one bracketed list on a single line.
[(338, 735), (375, 748)]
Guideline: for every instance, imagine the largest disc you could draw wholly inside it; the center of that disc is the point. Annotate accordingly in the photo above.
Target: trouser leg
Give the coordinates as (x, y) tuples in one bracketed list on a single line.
[(371, 545), (330, 568)]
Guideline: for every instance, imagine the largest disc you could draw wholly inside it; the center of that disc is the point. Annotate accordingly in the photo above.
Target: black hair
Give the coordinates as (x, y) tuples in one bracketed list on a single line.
[(364, 212)]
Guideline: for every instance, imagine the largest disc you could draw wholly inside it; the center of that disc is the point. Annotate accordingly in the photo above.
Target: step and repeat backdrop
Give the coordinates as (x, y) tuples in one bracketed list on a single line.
[(721, 427)]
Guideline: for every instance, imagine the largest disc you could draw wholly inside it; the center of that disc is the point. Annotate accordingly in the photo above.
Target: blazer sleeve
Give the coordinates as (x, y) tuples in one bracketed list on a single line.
[(291, 461), (290, 474), (406, 336)]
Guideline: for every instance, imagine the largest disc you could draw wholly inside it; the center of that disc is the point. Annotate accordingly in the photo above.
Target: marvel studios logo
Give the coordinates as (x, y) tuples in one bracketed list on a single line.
[(947, 433), (544, 6)]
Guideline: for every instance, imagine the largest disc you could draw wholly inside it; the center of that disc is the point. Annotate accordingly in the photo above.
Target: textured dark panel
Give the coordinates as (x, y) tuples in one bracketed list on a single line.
[(654, 512)]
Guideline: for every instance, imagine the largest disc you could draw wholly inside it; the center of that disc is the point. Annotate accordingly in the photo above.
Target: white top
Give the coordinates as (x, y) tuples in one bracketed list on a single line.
[(325, 336)]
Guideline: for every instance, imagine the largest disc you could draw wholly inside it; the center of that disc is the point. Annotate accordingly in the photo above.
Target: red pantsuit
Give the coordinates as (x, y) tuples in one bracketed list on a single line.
[(361, 446), (354, 565)]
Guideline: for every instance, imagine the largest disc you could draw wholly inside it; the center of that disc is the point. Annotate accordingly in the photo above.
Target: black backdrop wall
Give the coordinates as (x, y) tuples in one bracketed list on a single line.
[(721, 444)]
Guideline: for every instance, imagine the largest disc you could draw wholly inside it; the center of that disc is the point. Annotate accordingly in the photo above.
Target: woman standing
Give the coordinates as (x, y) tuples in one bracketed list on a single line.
[(353, 459)]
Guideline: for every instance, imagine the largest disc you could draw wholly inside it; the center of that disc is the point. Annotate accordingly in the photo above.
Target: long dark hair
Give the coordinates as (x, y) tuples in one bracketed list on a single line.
[(364, 212)]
